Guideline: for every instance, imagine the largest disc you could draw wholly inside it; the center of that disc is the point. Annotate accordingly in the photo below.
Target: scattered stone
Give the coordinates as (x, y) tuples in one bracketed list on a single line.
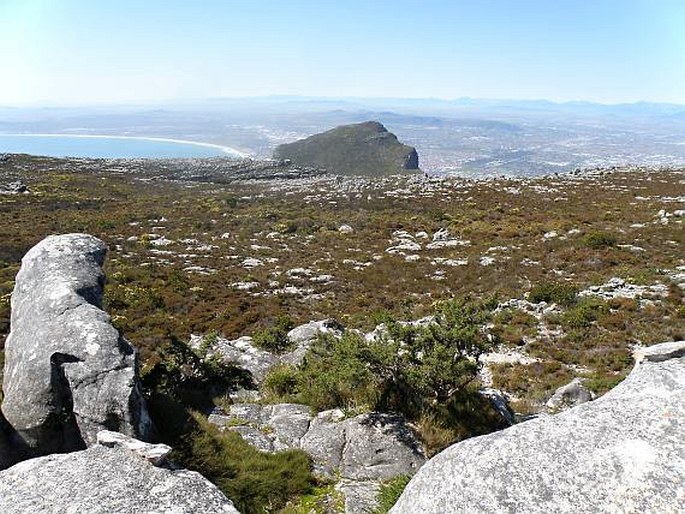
[(345, 229), (619, 288), (13, 188)]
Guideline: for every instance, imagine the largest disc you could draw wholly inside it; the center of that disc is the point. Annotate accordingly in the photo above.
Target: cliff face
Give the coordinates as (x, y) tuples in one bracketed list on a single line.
[(366, 149), (621, 453)]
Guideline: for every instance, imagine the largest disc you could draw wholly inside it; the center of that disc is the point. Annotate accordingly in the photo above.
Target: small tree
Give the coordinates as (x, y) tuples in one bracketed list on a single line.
[(431, 363)]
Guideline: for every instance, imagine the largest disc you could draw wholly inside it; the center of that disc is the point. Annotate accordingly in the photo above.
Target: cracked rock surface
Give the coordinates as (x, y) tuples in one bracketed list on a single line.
[(68, 371), (624, 452)]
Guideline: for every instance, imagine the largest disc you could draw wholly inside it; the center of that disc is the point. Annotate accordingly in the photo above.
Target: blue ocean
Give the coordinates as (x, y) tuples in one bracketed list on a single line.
[(108, 147)]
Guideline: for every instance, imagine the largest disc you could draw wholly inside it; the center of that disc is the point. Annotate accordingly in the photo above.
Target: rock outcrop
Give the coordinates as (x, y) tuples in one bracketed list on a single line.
[(624, 452), (68, 371), (360, 452), (360, 149), (118, 475), (244, 354)]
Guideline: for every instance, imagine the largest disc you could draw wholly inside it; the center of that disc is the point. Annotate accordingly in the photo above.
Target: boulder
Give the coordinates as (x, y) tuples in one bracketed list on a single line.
[(572, 394), (119, 477), (243, 353), (624, 452), (68, 371), (240, 352)]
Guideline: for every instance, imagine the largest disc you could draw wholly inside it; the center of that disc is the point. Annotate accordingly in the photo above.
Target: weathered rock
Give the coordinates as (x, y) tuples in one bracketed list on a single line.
[(572, 394), (68, 371), (361, 452), (156, 454), (379, 447), (103, 480), (325, 441), (242, 353), (304, 336), (624, 452)]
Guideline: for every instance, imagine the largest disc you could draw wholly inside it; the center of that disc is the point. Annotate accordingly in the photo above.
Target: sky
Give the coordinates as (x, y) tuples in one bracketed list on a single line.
[(80, 52)]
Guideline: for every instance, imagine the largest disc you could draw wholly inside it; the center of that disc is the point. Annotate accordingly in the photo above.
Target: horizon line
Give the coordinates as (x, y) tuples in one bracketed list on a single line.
[(179, 101)]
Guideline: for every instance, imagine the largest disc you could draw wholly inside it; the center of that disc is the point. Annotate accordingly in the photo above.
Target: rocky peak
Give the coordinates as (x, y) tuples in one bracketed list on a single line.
[(359, 149)]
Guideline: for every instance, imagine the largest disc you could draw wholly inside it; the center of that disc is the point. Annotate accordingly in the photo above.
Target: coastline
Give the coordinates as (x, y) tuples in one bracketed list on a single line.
[(225, 149)]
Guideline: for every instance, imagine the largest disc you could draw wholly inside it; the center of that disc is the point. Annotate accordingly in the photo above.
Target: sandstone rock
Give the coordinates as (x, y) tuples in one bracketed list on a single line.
[(68, 371), (624, 452), (325, 441), (572, 394), (156, 454), (106, 480)]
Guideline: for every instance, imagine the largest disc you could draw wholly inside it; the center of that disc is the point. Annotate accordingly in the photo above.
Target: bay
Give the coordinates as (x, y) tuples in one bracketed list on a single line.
[(110, 147)]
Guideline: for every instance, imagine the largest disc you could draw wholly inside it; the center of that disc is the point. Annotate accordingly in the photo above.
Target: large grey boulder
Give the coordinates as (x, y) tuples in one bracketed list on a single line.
[(118, 476), (68, 371), (240, 352), (624, 452)]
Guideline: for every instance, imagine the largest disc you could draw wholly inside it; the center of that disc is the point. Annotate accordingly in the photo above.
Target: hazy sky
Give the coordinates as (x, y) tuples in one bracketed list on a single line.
[(90, 51)]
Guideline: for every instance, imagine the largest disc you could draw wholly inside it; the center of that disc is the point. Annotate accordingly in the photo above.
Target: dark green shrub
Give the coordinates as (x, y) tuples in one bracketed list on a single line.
[(275, 338), (561, 293), (599, 240)]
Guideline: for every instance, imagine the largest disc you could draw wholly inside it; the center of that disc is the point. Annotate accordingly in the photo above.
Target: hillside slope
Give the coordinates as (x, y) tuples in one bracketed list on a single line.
[(360, 149)]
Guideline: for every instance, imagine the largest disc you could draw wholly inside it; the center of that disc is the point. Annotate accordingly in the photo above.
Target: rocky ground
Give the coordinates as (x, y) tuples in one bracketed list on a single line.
[(190, 257), (585, 269)]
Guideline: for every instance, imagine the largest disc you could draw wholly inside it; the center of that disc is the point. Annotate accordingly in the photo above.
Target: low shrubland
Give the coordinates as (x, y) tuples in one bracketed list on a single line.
[(544, 239)]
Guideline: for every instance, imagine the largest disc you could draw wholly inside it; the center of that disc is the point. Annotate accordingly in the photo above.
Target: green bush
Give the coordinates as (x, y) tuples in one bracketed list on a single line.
[(584, 313), (390, 492), (561, 293), (275, 338), (281, 382), (599, 240), (409, 369)]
